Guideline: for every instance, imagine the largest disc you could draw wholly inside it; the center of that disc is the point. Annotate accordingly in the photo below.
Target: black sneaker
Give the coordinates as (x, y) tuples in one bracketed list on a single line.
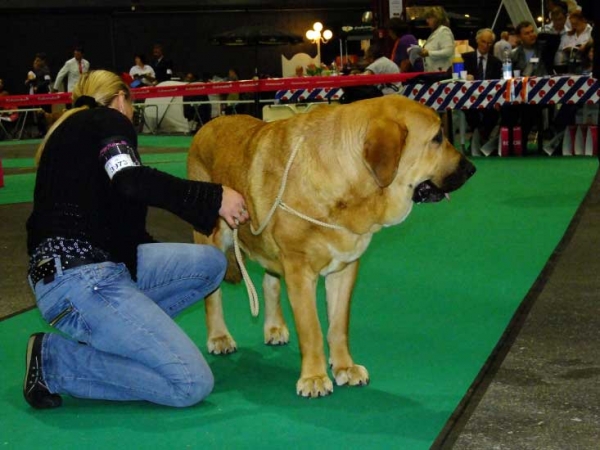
[(35, 390)]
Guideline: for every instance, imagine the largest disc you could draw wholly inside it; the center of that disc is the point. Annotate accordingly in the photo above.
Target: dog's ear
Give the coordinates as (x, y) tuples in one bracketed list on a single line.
[(384, 142)]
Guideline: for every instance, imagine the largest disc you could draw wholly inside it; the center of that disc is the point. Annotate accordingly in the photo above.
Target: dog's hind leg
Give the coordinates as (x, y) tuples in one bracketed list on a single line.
[(219, 340), (275, 330), (338, 286)]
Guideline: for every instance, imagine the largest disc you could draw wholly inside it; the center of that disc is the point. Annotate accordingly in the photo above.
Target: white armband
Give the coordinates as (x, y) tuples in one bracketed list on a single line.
[(118, 155)]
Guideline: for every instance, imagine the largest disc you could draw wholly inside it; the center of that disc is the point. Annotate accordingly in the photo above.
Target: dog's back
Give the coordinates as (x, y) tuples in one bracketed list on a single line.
[(217, 148)]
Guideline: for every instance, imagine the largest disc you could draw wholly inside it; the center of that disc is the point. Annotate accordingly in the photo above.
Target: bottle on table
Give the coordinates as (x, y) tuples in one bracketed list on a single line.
[(507, 72), (458, 66)]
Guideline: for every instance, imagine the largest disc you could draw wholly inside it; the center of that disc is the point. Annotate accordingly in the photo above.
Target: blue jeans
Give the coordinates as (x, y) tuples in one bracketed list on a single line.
[(125, 344)]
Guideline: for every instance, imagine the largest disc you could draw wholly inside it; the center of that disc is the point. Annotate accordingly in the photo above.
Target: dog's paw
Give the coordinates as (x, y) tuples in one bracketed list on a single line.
[(277, 335), (314, 386), (355, 375), (221, 345)]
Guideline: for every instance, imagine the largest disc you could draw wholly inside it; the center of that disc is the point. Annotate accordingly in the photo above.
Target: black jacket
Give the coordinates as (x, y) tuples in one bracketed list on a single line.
[(493, 69), (74, 197), (161, 68)]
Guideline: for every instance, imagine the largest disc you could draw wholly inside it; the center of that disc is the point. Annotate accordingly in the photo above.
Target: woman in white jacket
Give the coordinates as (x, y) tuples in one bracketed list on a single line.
[(438, 51)]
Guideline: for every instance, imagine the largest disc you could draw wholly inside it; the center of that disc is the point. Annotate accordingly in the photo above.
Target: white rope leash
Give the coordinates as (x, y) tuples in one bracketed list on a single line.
[(282, 187), (250, 289), (252, 294)]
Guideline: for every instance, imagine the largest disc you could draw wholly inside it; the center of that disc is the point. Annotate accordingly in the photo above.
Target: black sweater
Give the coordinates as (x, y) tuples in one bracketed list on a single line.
[(75, 198)]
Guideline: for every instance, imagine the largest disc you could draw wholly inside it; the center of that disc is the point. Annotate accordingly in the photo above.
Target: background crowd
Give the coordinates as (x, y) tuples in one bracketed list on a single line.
[(561, 45)]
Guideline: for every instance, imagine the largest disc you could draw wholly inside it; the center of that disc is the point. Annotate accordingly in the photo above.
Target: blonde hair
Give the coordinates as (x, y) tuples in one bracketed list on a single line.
[(572, 6), (438, 14), (102, 85)]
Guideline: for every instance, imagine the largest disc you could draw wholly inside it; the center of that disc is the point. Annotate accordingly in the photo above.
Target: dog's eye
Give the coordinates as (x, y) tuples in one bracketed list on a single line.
[(439, 137)]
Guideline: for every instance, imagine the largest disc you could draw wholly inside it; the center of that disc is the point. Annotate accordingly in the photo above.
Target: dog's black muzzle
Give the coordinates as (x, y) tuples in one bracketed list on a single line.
[(427, 192)]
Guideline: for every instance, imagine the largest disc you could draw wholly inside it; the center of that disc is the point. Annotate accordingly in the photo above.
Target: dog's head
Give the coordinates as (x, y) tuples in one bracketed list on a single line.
[(405, 148)]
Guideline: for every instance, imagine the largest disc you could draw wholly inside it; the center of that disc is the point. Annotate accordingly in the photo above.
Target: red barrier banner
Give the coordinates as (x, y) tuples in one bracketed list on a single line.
[(223, 87), (15, 101)]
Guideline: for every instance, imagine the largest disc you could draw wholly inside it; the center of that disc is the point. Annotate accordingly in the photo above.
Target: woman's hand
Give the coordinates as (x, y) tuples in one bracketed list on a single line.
[(233, 208)]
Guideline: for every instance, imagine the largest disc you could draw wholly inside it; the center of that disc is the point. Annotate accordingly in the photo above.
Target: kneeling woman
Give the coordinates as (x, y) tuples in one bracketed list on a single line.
[(99, 277)]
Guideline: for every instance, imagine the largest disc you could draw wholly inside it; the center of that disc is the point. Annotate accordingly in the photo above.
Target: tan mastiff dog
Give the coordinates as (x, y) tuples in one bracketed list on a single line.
[(357, 168)]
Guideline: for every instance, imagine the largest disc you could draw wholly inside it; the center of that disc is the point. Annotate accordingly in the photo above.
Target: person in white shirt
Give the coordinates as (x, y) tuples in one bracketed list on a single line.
[(580, 33), (572, 42), (142, 73), (438, 51), (72, 70), (379, 65), (502, 46)]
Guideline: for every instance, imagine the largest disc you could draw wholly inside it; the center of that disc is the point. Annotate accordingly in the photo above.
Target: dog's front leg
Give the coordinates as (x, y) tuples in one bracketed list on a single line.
[(339, 287), (301, 285)]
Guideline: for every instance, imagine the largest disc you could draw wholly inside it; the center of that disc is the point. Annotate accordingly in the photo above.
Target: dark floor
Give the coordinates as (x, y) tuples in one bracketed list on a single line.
[(540, 389)]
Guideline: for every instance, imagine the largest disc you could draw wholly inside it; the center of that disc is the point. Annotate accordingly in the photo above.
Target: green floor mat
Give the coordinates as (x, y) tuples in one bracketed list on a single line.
[(18, 186), (432, 299), (149, 140)]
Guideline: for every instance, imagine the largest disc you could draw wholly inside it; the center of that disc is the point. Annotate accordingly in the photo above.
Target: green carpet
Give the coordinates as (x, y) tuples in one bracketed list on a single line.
[(433, 297), (143, 140), (16, 186)]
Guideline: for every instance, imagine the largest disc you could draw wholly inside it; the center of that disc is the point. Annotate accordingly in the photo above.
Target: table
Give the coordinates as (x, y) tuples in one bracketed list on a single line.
[(19, 127), (308, 95), (457, 94)]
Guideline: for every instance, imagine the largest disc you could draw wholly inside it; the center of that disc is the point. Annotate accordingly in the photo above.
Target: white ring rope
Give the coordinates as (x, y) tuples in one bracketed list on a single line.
[(252, 294)]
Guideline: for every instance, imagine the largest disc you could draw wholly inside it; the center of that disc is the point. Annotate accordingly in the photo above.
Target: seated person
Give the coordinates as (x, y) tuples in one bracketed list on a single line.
[(574, 40), (482, 65), (142, 73), (379, 64), (230, 108), (198, 113), (528, 58), (3, 91), (5, 117)]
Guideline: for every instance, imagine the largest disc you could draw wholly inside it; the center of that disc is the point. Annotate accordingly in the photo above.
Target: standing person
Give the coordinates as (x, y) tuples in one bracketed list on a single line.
[(97, 274), (502, 45), (591, 11), (142, 73), (438, 51), (72, 70), (163, 67), (38, 81), (38, 78), (557, 27), (398, 30)]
